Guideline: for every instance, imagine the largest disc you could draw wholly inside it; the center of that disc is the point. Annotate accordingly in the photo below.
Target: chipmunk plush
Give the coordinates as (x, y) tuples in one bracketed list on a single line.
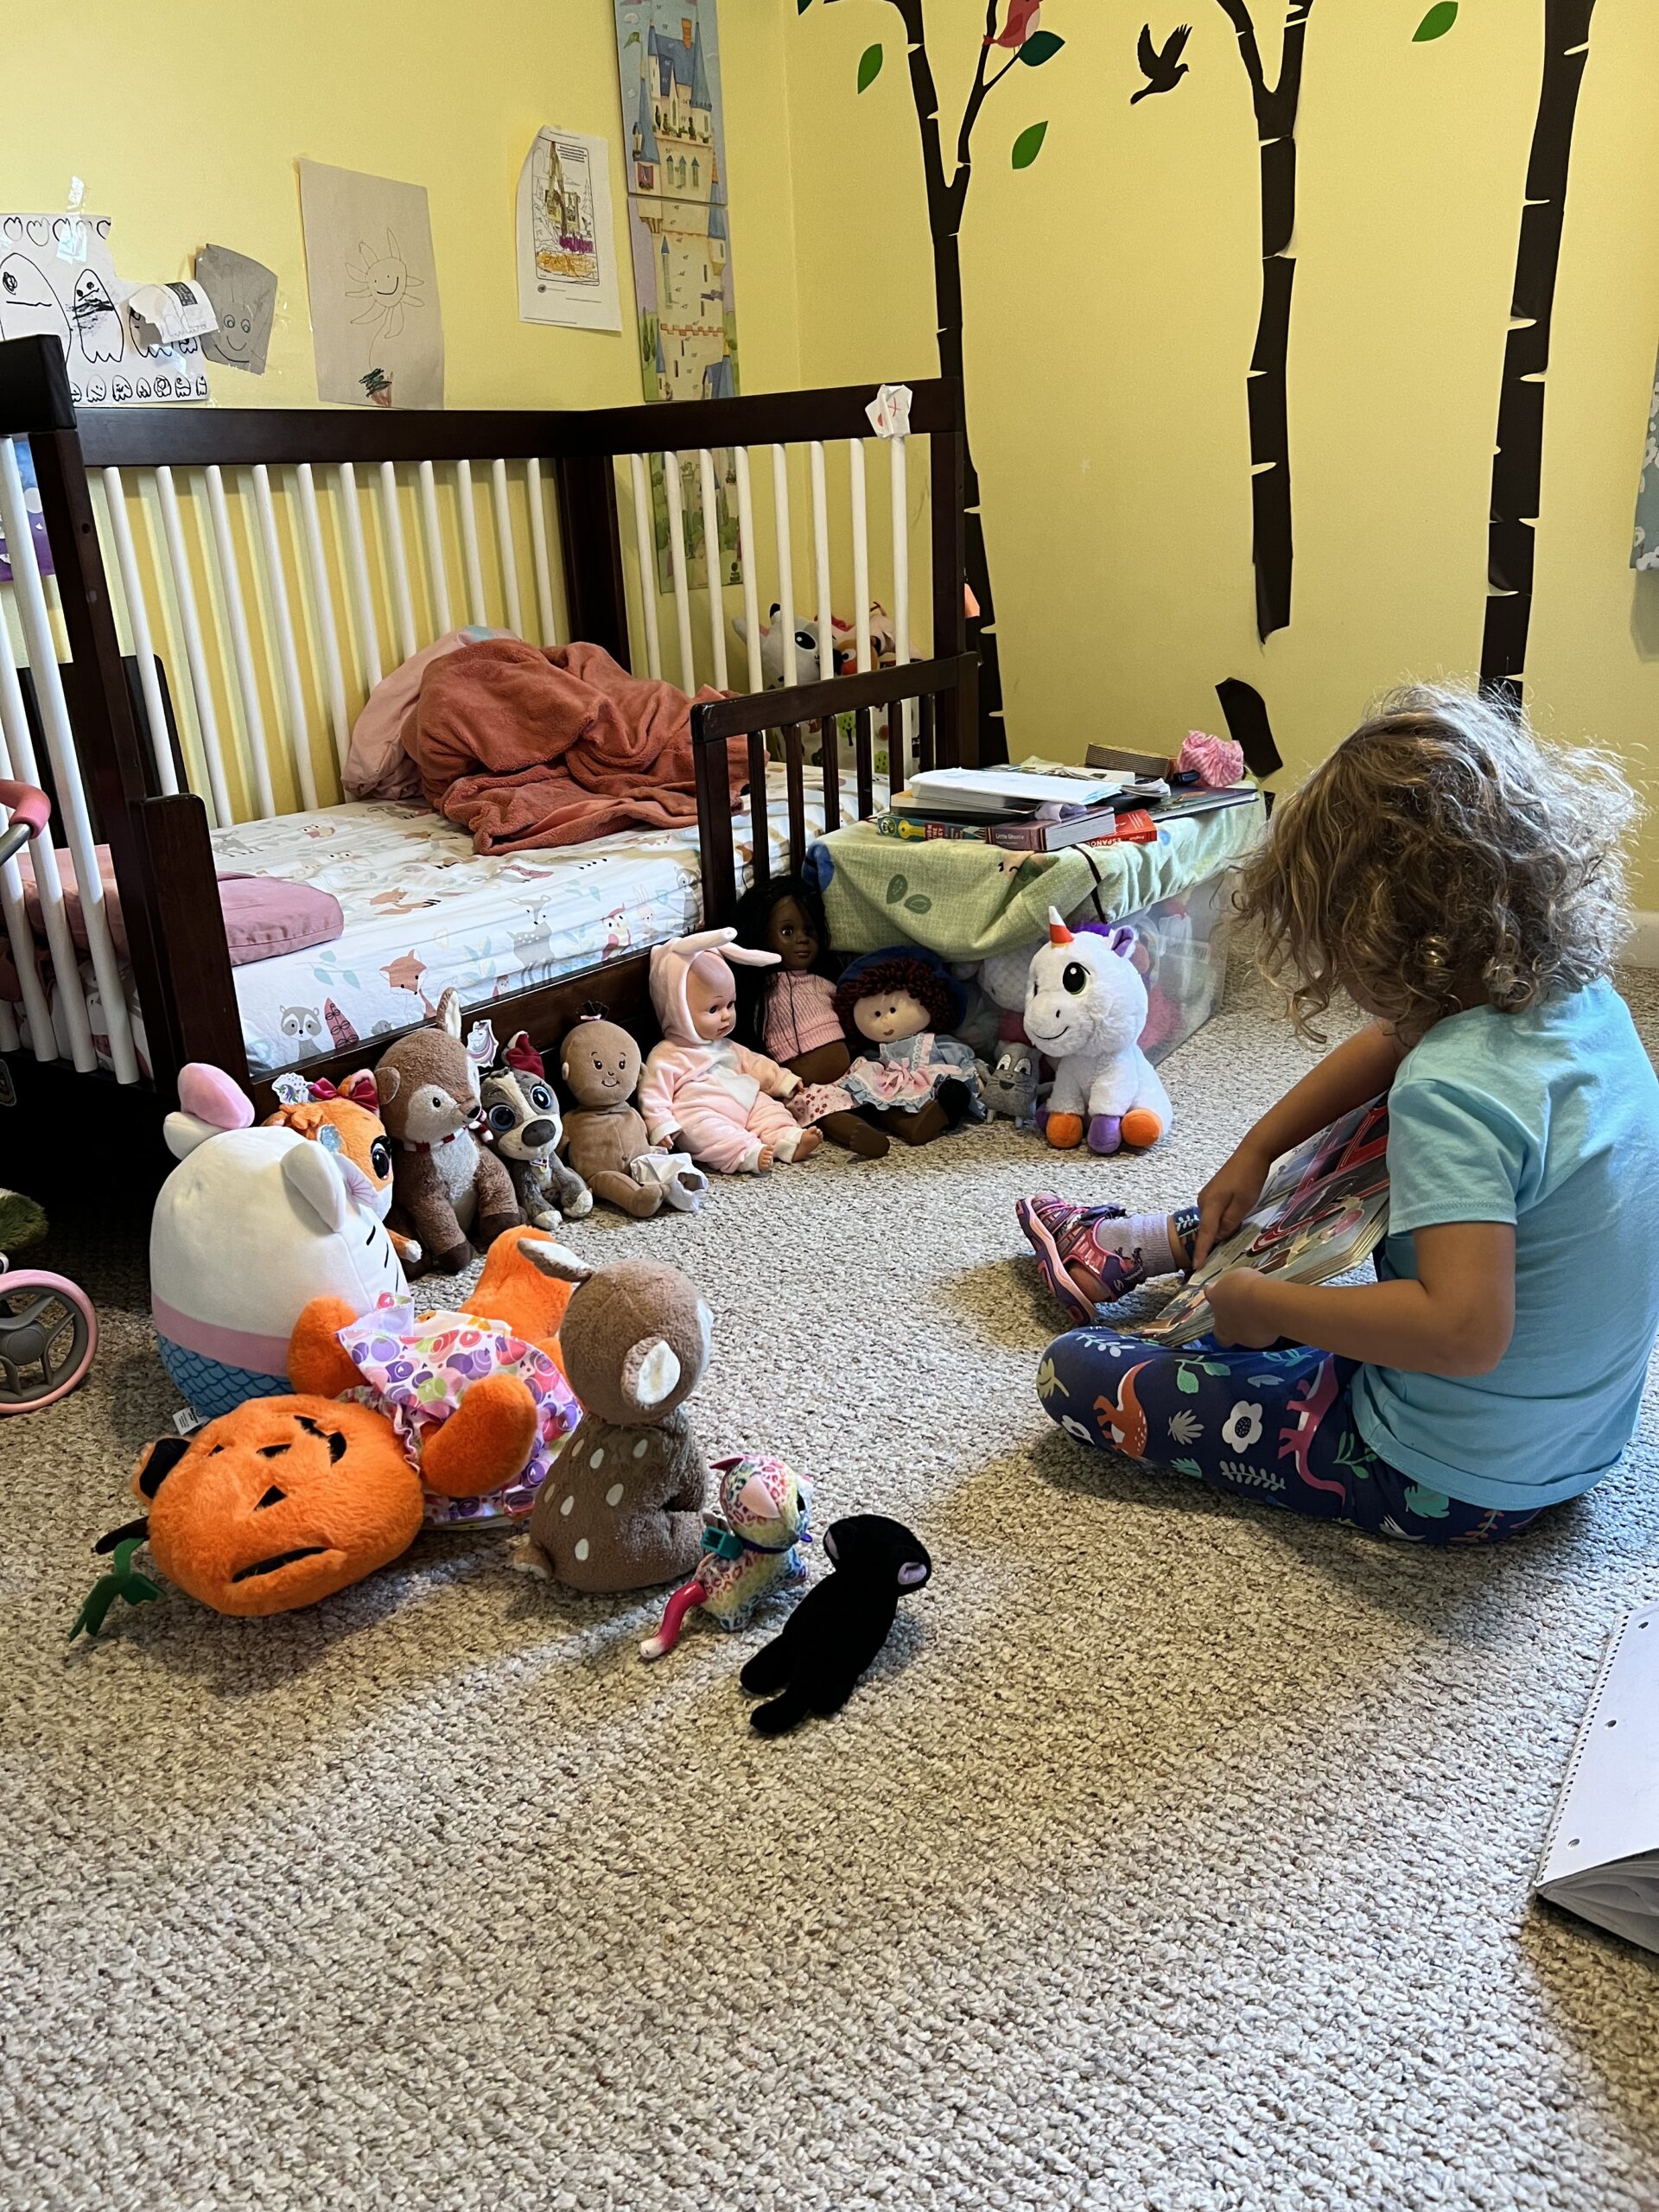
[(444, 1183), (604, 1140)]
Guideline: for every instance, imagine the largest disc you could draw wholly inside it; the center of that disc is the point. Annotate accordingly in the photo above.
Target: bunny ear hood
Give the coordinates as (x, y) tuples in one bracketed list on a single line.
[(670, 968)]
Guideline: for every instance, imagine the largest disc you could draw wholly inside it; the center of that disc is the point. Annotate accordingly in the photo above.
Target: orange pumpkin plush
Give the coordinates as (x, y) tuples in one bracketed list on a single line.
[(281, 1502)]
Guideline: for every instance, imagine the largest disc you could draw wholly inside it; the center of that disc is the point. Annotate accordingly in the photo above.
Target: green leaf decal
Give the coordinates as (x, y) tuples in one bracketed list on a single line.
[(918, 904), (1040, 47), (1186, 1381), (1029, 145), (897, 889), (869, 67), (1436, 23)]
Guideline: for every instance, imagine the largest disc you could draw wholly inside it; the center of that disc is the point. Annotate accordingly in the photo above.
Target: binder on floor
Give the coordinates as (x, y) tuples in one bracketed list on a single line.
[(1602, 1858)]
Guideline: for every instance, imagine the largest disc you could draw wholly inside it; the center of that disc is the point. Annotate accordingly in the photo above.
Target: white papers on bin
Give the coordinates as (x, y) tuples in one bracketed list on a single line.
[(1602, 1858), (995, 790)]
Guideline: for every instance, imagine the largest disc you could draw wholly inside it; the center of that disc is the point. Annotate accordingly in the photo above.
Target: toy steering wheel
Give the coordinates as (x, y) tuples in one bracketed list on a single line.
[(48, 1336)]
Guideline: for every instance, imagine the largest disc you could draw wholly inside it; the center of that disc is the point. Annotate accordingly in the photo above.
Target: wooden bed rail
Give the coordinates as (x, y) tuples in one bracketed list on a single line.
[(225, 592), (946, 691)]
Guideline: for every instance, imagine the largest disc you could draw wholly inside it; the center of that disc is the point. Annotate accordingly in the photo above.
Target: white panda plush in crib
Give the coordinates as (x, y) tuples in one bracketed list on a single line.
[(250, 1225)]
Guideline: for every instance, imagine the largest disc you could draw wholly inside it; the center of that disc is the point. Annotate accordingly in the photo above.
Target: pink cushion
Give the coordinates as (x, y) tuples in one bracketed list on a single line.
[(264, 916)]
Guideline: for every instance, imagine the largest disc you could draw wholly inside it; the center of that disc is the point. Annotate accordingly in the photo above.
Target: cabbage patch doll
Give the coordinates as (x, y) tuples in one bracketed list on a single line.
[(912, 1080)]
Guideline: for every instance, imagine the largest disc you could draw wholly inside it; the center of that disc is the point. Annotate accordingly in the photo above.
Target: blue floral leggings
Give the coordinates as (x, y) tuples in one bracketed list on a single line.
[(1276, 1426)]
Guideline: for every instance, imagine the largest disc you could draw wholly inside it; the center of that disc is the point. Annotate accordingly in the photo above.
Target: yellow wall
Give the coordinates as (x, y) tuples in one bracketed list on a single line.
[(1111, 300), (185, 118), (1111, 295)]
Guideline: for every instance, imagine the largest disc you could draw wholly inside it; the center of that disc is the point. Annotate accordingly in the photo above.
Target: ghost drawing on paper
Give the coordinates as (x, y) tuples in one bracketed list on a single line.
[(28, 306), (97, 324)]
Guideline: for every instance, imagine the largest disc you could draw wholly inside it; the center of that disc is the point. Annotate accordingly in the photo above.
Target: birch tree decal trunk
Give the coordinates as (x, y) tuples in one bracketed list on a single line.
[(1010, 36), (1518, 465), (1275, 105)]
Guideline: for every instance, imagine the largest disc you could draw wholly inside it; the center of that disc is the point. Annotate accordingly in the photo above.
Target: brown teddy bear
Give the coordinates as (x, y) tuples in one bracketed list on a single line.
[(445, 1183), (604, 1140), (622, 1506)]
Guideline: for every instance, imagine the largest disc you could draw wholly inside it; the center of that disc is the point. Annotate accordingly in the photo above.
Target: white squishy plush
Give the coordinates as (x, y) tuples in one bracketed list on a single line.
[(250, 1225), (1085, 1007)]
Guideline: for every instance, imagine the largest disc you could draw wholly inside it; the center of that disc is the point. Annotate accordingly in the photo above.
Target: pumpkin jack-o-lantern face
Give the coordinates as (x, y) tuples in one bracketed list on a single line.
[(279, 1504)]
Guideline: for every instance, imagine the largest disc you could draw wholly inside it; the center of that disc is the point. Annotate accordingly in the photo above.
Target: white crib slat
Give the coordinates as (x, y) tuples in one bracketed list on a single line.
[(201, 690), (478, 606), (509, 559), (392, 521), (714, 563), (747, 553), (42, 1041), (437, 572), (253, 720), (287, 656), (861, 551), (682, 588), (357, 561), (535, 495), (821, 561), (323, 607), (785, 558), (17, 759), (66, 766), (133, 590), (898, 725), (644, 543)]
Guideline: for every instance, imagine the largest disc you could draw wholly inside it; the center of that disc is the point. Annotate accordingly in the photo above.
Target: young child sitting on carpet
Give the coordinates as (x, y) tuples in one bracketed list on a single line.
[(1464, 885)]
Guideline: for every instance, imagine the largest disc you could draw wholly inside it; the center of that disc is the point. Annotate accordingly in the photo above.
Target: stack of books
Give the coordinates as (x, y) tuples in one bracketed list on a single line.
[(1023, 810)]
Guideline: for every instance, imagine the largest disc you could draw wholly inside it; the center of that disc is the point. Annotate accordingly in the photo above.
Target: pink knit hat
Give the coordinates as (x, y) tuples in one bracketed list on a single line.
[(672, 964)]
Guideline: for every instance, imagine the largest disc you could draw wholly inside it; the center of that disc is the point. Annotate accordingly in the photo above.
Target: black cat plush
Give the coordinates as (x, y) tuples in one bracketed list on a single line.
[(831, 1636)]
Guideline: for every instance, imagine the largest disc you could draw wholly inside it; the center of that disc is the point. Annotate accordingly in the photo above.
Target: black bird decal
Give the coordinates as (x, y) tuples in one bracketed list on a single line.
[(1162, 72)]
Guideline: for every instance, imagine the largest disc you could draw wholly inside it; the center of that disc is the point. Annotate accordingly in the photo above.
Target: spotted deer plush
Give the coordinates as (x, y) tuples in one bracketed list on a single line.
[(622, 1507), (523, 1124)]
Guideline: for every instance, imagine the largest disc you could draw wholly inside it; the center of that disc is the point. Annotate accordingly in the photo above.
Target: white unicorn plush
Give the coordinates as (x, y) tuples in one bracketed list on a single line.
[(1085, 1009)]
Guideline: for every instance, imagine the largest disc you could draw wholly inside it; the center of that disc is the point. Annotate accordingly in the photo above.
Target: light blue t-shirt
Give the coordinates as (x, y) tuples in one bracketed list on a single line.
[(1550, 1120)]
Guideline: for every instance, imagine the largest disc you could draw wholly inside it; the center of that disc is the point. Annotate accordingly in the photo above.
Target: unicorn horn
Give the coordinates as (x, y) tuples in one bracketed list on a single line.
[(1057, 932)]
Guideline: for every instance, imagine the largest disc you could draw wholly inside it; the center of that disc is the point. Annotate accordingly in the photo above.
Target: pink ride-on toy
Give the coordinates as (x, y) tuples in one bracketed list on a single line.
[(48, 1332)]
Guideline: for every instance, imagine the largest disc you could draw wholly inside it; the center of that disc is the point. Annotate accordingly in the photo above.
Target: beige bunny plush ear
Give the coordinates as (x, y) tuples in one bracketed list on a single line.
[(650, 1371), (556, 1261), (450, 1013)]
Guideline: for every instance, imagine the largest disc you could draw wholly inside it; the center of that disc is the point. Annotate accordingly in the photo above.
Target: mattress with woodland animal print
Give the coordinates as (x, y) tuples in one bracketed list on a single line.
[(423, 912)]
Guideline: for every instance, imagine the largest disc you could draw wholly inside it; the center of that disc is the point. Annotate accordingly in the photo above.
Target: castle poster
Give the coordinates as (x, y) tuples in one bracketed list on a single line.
[(669, 56)]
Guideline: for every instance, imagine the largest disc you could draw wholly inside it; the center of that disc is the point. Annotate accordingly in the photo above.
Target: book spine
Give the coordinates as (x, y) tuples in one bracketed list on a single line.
[(1586, 1729)]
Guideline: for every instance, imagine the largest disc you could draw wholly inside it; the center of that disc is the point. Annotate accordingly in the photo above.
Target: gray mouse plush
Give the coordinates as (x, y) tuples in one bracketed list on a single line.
[(1009, 1085)]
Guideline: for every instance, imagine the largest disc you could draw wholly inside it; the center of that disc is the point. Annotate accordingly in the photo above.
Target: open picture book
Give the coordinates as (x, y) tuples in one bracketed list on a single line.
[(1322, 1209)]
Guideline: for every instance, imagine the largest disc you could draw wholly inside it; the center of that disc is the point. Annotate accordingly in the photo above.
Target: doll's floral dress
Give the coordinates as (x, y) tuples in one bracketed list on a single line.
[(416, 1364), (908, 1074)]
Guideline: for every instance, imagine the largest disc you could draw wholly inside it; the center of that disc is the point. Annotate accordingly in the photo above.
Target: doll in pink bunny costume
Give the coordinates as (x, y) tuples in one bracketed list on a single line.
[(700, 1092)]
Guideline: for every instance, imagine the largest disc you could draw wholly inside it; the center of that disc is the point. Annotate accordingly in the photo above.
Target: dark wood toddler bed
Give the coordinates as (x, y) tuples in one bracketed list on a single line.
[(221, 611)]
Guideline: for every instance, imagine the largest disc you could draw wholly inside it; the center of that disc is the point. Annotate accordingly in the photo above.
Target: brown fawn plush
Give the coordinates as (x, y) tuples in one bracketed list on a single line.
[(444, 1183)]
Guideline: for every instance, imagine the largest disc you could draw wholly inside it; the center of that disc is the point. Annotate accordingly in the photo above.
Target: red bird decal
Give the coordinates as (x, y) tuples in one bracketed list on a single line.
[(1020, 23)]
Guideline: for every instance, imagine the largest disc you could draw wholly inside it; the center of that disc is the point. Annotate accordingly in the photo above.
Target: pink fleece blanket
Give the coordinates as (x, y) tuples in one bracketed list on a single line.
[(526, 746)]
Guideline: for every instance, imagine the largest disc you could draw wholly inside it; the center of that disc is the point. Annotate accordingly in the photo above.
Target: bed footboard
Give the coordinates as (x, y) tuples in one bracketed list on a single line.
[(942, 693)]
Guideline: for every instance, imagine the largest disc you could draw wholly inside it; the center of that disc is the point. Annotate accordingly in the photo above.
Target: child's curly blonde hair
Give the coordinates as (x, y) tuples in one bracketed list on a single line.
[(1440, 858)]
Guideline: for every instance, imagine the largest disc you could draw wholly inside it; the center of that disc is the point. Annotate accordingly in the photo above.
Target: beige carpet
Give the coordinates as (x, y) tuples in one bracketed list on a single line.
[(1176, 1856)]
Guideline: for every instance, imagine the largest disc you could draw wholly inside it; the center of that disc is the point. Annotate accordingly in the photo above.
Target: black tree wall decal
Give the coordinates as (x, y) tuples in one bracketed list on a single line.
[(1275, 106), (1518, 465), (947, 198)]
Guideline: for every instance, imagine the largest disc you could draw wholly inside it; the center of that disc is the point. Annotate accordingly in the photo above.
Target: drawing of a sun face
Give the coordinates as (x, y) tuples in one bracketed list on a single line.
[(386, 284)]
